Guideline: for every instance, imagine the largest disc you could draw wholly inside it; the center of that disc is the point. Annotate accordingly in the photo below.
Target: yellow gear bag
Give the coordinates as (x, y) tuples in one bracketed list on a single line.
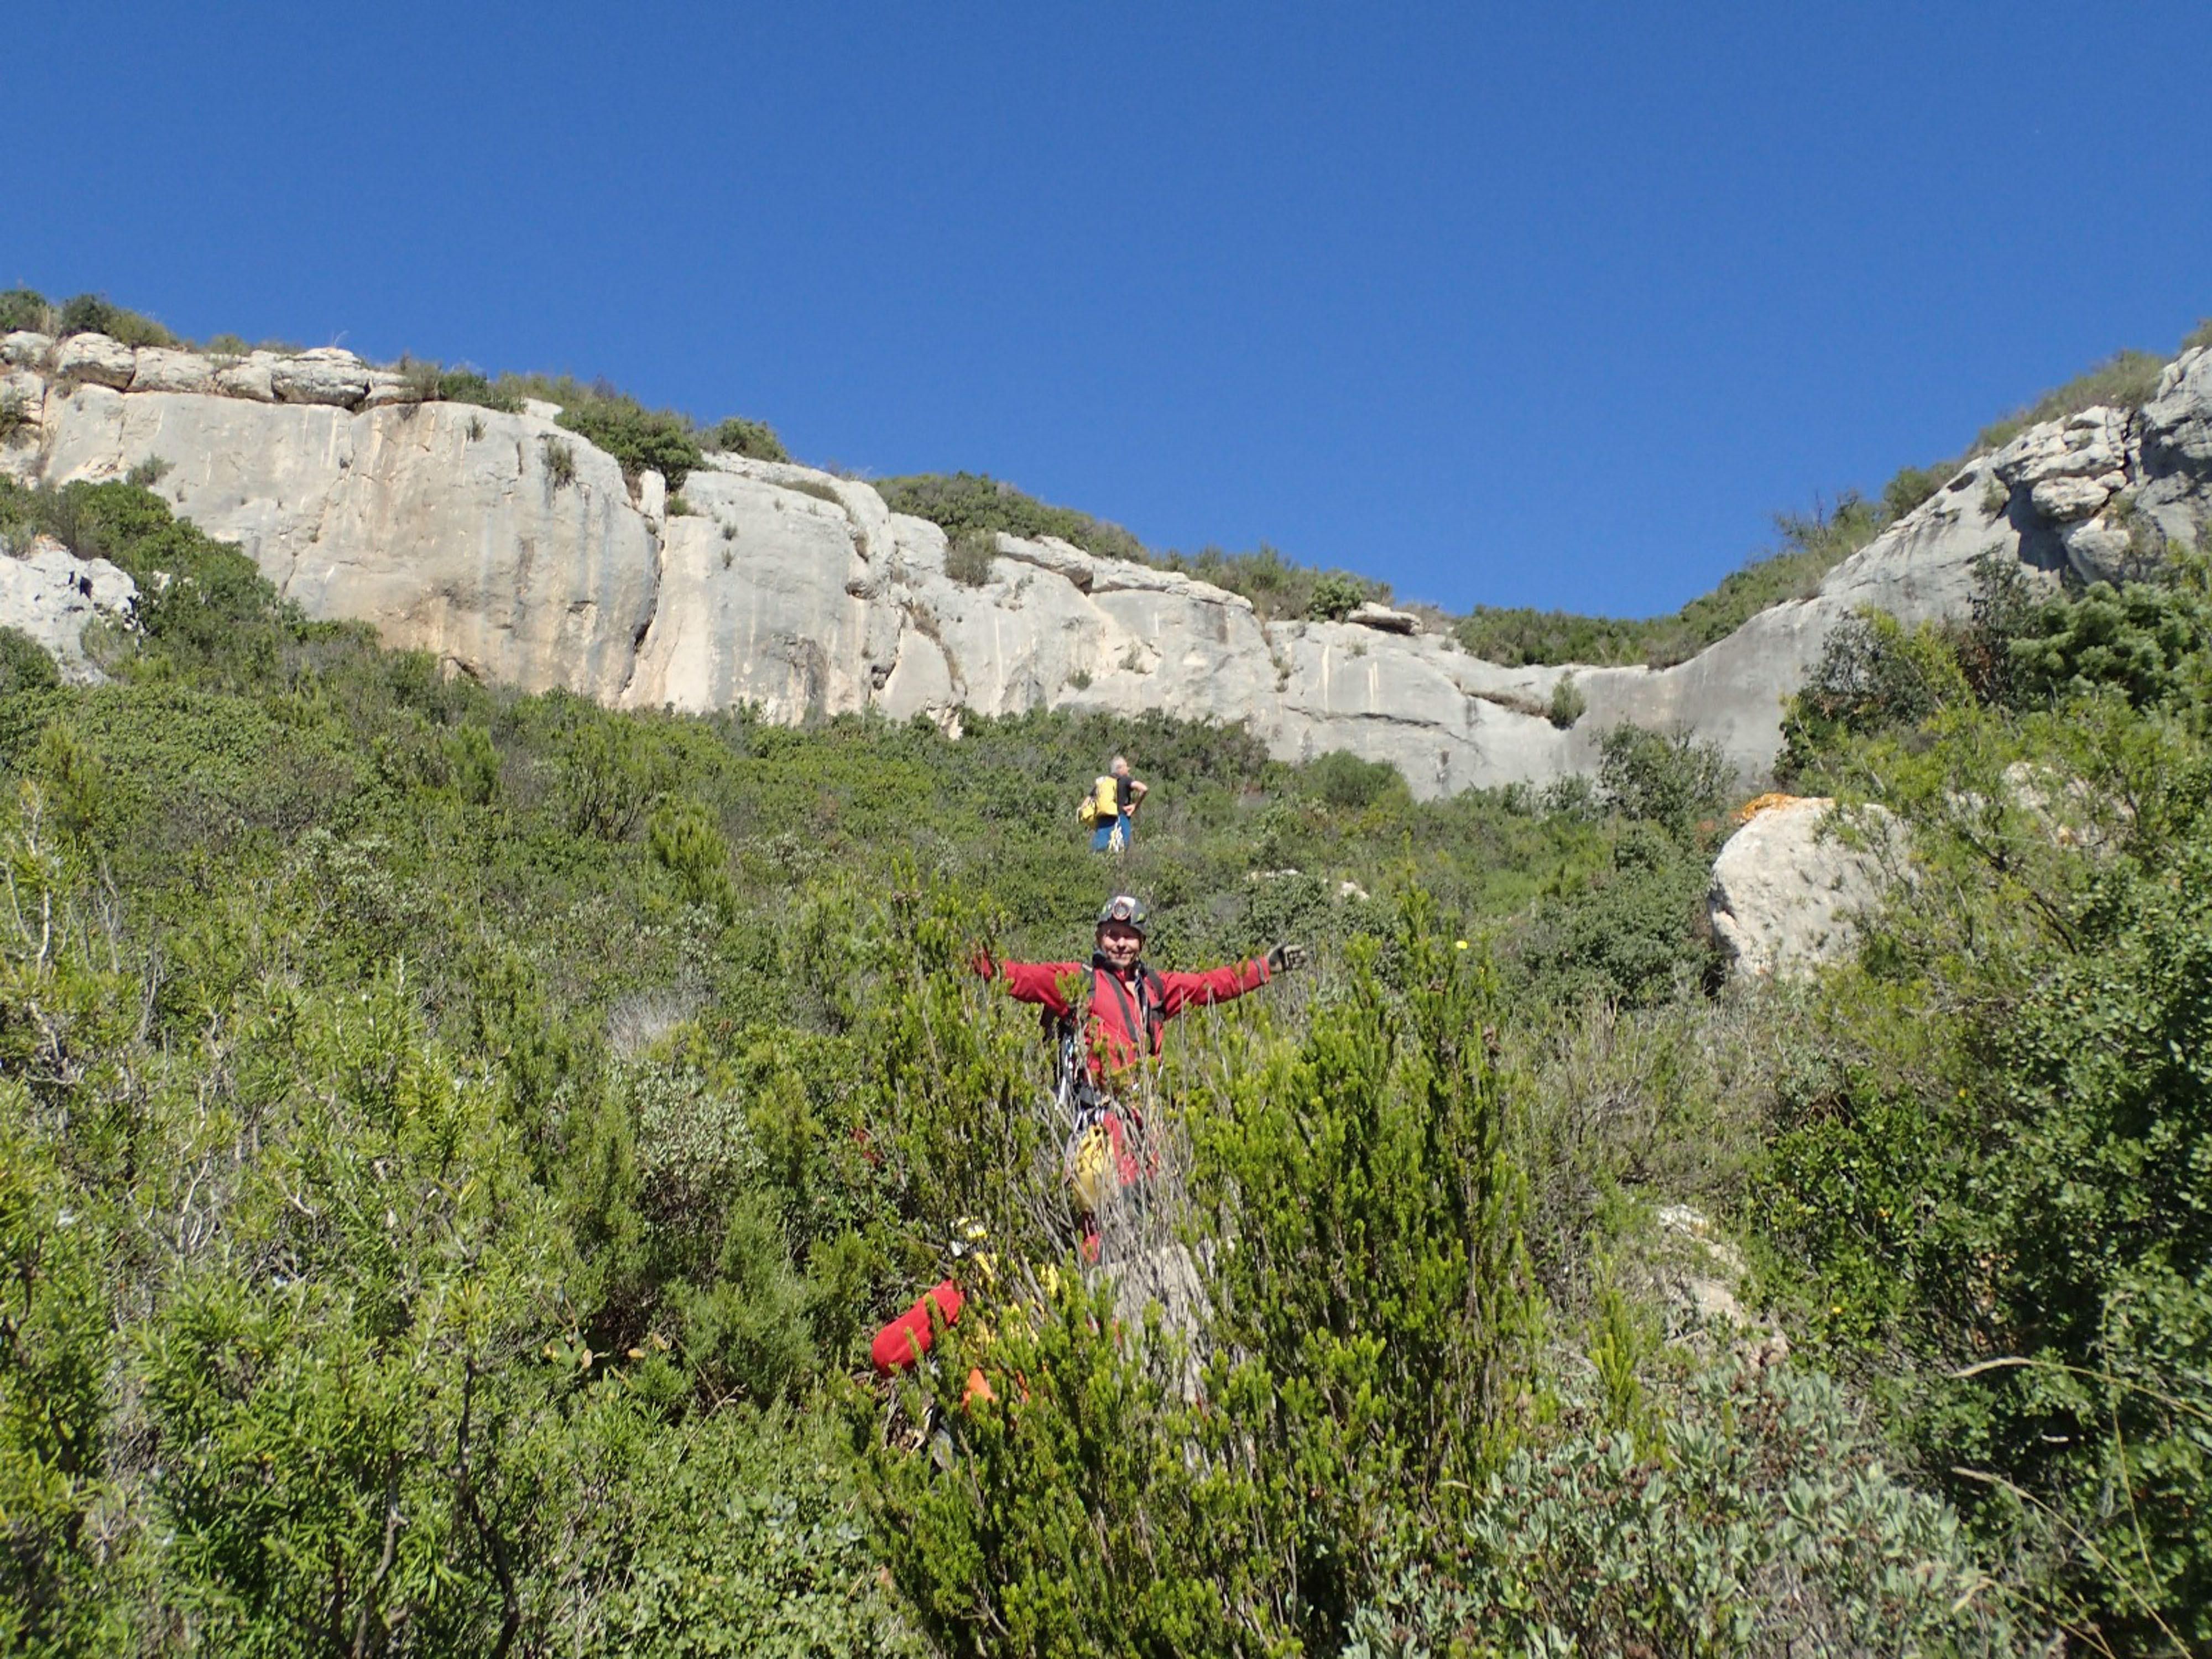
[(1106, 800)]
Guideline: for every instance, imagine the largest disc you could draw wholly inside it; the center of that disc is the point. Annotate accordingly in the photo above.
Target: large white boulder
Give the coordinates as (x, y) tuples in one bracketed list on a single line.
[(1789, 888), (161, 369), (25, 348), (96, 360), (49, 594), (324, 375), (252, 377)]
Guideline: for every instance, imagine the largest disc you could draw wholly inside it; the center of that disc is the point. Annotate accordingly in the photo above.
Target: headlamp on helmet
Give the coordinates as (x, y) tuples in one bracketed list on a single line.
[(1125, 909)]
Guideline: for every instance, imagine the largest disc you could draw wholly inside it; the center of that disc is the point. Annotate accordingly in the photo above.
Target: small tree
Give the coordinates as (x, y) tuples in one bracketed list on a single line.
[(1335, 596), (755, 440)]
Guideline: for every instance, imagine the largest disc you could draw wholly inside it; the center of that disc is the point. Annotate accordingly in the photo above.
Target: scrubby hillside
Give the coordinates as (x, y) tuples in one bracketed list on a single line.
[(458, 1143)]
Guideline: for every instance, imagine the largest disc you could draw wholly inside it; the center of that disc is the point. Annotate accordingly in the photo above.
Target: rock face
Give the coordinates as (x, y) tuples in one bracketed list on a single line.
[(49, 594), (450, 529), (1787, 889)]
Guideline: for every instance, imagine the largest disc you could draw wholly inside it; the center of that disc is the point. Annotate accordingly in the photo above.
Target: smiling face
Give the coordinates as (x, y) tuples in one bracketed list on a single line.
[(1120, 944)]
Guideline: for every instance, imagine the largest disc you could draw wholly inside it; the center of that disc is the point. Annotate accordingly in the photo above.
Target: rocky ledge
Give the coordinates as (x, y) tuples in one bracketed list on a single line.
[(514, 551)]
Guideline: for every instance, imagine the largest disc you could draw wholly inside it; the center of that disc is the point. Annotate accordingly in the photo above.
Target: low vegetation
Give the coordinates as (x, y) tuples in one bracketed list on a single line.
[(971, 556), (962, 501)]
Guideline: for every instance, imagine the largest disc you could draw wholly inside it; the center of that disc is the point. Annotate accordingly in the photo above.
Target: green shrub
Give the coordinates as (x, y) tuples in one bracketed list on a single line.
[(2141, 639), (25, 309), (1279, 590), (92, 313), (637, 437), (1873, 675), (1343, 780), (1765, 1521), (559, 457), (200, 602), (1673, 781), (467, 385), (1568, 704), (970, 557), (15, 417), (1630, 933), (25, 665), (1911, 487), (723, 1535), (1335, 596), (736, 435), (973, 502)]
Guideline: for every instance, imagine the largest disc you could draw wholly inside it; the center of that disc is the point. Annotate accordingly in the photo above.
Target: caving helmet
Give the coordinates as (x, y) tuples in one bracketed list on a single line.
[(1130, 912)]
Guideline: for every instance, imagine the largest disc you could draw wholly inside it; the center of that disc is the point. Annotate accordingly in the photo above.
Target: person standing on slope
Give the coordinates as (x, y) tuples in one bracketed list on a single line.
[(1111, 807), (1108, 1017), (1123, 1005)]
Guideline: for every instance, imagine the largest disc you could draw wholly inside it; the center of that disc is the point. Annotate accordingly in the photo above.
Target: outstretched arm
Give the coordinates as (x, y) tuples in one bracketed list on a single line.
[(1220, 984), (1215, 985), (1031, 982)]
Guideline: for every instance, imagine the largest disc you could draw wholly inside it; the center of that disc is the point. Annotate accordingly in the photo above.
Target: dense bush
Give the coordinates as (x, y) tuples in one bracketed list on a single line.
[(736, 435), (15, 417), (93, 313), (637, 437), (970, 556), (975, 502), (1990, 1169), (25, 309), (1342, 779), (25, 665), (469, 385), (1335, 597), (1758, 1519), (1279, 590), (1567, 704)]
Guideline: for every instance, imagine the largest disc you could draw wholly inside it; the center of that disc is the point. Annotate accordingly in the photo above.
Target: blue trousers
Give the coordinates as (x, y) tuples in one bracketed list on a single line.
[(1102, 838)]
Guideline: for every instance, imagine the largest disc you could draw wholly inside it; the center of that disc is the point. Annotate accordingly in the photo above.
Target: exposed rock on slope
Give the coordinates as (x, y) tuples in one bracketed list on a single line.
[(460, 531), (1788, 889), (49, 594)]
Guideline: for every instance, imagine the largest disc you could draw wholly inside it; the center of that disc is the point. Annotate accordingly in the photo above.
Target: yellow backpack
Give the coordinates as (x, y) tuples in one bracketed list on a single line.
[(1103, 804)]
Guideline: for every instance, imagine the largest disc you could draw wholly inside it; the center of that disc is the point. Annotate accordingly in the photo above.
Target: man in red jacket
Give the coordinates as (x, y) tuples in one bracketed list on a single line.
[(1127, 1005), (1107, 1018), (1128, 1002)]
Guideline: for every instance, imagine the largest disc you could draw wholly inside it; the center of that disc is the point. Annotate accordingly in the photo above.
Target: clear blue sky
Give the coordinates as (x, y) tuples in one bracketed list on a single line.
[(1553, 304)]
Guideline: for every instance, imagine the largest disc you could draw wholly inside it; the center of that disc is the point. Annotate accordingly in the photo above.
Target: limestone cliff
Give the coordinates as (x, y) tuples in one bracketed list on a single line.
[(515, 551)]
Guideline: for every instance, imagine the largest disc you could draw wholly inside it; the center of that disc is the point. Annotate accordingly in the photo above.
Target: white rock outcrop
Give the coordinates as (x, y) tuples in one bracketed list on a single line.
[(160, 369), (449, 527), (96, 360), (325, 375), (1790, 886), (49, 594)]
